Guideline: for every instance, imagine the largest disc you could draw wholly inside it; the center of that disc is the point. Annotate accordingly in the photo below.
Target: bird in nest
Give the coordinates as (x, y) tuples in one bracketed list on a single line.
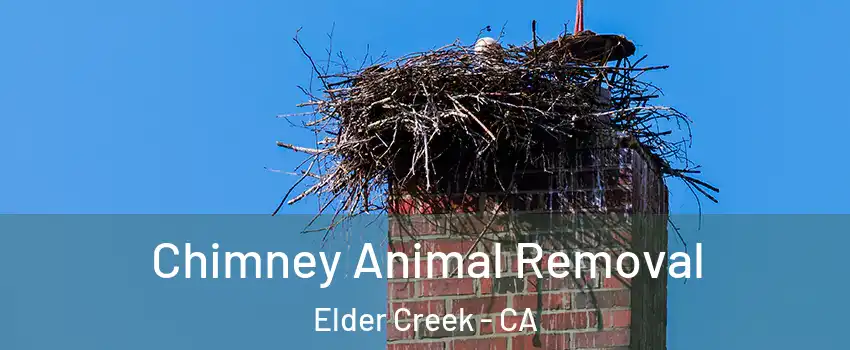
[(488, 51)]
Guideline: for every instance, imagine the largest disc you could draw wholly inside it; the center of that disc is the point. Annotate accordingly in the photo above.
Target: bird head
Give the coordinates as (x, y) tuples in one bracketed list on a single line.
[(486, 44)]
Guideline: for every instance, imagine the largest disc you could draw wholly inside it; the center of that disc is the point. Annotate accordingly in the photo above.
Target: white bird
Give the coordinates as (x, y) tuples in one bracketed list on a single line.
[(486, 43)]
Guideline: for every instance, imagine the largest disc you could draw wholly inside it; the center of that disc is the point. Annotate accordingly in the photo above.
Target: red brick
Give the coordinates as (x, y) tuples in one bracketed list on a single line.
[(451, 204), (571, 317), (547, 341), (523, 342), (393, 333), (543, 266), (410, 227), (478, 306), (437, 307), (447, 246), (560, 284), (601, 299), (443, 287), (602, 339), (612, 318), (486, 285), (480, 344), (417, 346), (401, 290), (398, 269), (397, 227), (505, 264), (402, 206), (434, 205), (615, 282), (430, 246), (512, 325), (503, 285), (564, 321), (555, 341), (472, 225), (551, 301)]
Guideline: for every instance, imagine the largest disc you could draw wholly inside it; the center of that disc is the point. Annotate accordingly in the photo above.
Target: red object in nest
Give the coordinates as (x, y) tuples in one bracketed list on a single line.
[(585, 45)]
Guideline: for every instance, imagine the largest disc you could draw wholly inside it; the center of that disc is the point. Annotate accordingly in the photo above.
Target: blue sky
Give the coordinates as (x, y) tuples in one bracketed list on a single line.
[(169, 106)]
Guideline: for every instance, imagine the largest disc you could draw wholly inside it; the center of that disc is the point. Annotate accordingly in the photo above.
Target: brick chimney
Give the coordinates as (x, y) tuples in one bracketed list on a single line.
[(577, 313)]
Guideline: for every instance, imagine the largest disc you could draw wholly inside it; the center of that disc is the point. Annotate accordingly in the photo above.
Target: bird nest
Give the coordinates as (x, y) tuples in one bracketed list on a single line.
[(456, 120)]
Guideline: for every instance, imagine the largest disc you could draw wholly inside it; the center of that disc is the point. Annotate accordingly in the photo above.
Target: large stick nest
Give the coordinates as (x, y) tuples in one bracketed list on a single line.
[(451, 120)]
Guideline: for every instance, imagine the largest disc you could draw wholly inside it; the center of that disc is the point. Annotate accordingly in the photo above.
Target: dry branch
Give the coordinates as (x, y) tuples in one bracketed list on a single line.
[(452, 121)]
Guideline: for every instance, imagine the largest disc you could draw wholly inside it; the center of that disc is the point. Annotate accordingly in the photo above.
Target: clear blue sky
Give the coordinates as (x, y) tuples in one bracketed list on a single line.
[(169, 106)]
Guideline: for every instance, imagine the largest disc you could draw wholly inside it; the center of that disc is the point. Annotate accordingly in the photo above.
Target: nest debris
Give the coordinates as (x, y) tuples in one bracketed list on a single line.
[(451, 120)]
